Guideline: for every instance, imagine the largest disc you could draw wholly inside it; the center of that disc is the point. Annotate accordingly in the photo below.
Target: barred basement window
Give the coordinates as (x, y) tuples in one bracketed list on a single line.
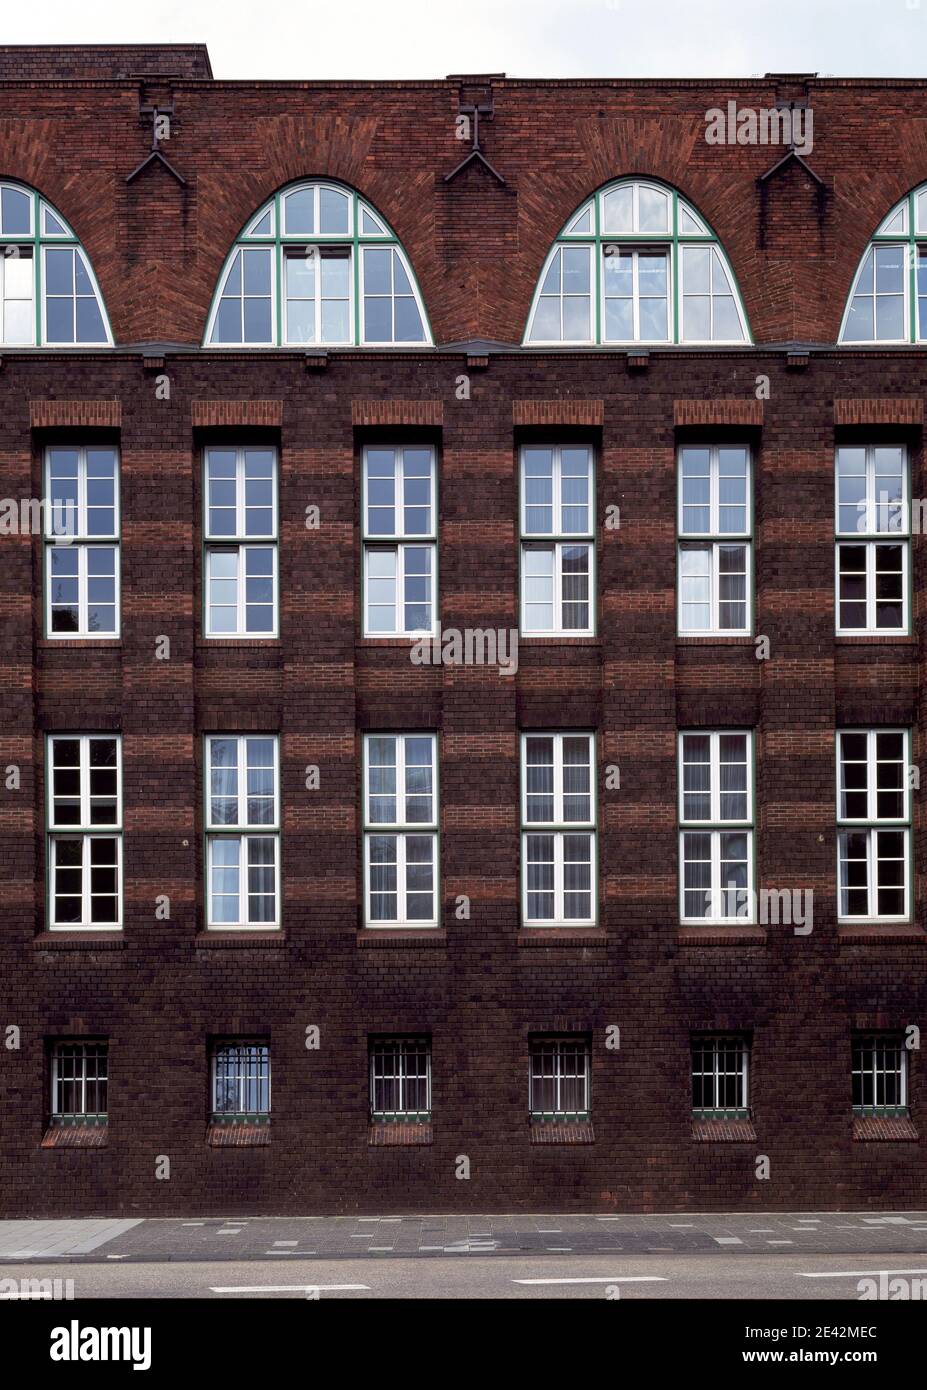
[(872, 575), (716, 826), (84, 843), (400, 830), (240, 1083), (558, 540), (888, 300), (81, 525), (79, 1076), (400, 541), (559, 1080), (715, 572), (317, 265), (720, 1075), (400, 1080), (636, 264), (242, 831), (241, 542), (558, 830), (880, 1074), (49, 296), (874, 818)]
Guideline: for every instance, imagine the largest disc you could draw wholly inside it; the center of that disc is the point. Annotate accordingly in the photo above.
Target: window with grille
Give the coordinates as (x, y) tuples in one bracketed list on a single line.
[(720, 1076), (873, 830), (558, 1080), (79, 1077), (880, 1074), (241, 1081), (558, 829), (400, 1080)]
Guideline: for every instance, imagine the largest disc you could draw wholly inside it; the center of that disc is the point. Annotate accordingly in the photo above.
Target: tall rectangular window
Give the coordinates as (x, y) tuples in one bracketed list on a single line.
[(242, 831), (79, 1076), (720, 1076), (400, 541), (82, 541), (400, 1080), (241, 542), (558, 541), (240, 1081), (400, 830), (873, 823), (716, 826), (84, 847), (558, 841), (558, 1080), (715, 545), (635, 294), (873, 539), (880, 1074)]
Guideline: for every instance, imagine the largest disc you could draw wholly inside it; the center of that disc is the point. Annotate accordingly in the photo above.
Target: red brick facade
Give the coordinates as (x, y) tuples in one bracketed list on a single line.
[(161, 989)]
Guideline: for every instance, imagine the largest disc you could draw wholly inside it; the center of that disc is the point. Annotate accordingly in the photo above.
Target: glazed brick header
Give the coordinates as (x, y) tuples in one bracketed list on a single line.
[(718, 412), (887, 410), (236, 414), (47, 415), (558, 413), (477, 246), (373, 413)]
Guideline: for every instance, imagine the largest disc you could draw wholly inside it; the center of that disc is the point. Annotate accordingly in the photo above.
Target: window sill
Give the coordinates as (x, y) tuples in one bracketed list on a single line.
[(80, 940), (79, 1135), (237, 1136), (582, 639), (51, 643), (723, 1131), (244, 938), (205, 644), (399, 1135), (878, 639), (714, 639), (393, 641), (881, 933), (746, 935), (883, 1128), (561, 936), (402, 936), (582, 1132)]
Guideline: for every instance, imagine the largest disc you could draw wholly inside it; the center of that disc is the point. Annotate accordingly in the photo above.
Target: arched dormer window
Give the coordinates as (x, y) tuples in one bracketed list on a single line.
[(636, 264), (888, 301), (49, 296), (317, 265)]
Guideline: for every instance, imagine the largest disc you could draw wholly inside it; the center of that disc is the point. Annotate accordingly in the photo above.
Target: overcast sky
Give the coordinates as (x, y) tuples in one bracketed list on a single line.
[(524, 38)]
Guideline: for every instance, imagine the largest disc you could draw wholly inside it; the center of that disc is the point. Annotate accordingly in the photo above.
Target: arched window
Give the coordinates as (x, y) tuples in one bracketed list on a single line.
[(317, 265), (49, 296), (636, 264), (888, 301)]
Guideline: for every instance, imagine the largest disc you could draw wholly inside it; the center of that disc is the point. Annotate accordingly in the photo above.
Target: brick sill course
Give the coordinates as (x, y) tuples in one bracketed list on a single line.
[(723, 1131), (579, 1133), (239, 938), (883, 1128), (399, 1135), (79, 941), (748, 935), (75, 1137), (398, 937), (554, 936), (50, 644), (240, 1136), (881, 933)]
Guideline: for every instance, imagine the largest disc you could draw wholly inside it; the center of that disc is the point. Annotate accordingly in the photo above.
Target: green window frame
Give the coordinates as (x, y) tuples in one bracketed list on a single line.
[(602, 283), (58, 303), (275, 292), (892, 274)]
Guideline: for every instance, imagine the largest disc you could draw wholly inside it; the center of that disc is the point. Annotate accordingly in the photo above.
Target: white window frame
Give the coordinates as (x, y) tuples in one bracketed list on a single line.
[(85, 830), (871, 538), (240, 544), (879, 243), (716, 826), (556, 540), (871, 546), (558, 829), (635, 250), (313, 251), (16, 299), (243, 832), (82, 542), (872, 825), (74, 342), (399, 542), (220, 1045), (713, 540), (400, 830)]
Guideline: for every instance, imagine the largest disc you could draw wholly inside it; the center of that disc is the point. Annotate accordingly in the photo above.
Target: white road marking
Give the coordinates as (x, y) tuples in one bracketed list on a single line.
[(286, 1242), (285, 1288), (728, 1240), (855, 1273), (601, 1279)]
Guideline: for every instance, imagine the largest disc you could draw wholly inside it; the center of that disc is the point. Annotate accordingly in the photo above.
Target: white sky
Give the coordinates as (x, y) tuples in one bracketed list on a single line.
[(524, 38)]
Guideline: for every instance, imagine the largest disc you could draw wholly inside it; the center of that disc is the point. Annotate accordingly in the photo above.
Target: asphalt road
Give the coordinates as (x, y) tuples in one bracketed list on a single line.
[(715, 1275)]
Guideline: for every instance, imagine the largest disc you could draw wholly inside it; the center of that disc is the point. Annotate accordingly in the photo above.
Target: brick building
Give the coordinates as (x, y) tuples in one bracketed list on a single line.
[(305, 369)]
